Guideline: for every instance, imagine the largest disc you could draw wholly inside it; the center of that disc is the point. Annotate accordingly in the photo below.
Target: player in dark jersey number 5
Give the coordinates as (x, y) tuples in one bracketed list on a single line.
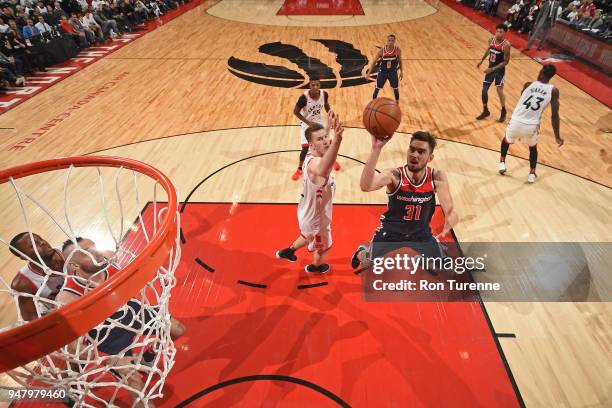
[(411, 191), (498, 53), (390, 57)]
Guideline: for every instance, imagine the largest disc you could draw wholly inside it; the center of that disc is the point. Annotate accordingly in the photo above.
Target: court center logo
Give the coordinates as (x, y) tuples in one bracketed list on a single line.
[(350, 59)]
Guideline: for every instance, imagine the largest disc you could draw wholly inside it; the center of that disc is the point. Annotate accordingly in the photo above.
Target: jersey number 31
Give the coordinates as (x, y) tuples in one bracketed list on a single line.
[(413, 212)]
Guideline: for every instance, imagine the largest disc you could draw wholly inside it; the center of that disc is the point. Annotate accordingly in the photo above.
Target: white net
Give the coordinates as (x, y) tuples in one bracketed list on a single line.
[(67, 232)]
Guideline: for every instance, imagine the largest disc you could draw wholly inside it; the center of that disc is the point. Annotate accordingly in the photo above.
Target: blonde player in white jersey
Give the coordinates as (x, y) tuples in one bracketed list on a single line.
[(31, 278), (315, 207), (524, 125), (309, 110)]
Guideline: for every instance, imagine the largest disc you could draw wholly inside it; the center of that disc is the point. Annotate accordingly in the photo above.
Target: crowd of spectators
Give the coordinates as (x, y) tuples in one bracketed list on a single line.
[(26, 26), (589, 16)]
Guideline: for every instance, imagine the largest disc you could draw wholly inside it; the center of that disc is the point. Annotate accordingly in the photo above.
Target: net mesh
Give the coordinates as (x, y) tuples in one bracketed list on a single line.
[(105, 225)]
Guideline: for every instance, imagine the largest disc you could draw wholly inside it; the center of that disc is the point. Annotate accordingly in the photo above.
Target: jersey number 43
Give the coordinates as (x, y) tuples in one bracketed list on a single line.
[(537, 104)]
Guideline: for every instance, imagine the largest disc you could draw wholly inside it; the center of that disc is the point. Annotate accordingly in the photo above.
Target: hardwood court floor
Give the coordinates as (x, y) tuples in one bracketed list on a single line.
[(175, 81)]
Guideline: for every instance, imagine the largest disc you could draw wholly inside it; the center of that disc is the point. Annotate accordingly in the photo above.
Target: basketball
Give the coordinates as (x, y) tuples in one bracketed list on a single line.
[(381, 117)]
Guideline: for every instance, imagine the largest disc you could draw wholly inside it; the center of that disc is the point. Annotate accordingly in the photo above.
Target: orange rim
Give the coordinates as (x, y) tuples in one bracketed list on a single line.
[(42, 336)]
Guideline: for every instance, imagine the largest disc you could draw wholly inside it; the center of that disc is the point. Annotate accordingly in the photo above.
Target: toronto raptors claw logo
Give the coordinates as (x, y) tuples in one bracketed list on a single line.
[(351, 61)]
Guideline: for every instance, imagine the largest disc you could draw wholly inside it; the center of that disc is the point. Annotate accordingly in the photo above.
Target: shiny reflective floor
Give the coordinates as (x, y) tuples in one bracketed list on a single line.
[(557, 353)]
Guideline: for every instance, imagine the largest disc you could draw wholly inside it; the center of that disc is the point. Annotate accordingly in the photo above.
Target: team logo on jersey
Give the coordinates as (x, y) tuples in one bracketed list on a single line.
[(351, 60)]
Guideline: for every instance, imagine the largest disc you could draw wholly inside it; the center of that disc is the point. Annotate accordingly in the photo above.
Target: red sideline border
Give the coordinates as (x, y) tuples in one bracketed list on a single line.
[(590, 80), (40, 81), (314, 8)]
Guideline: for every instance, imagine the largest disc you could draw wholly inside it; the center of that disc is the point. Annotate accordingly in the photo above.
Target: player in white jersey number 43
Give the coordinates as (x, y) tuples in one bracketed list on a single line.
[(524, 125)]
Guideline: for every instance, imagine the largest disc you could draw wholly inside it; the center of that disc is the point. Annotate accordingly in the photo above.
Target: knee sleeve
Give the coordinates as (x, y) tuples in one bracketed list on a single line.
[(533, 156), (504, 147), (303, 153), (485, 92)]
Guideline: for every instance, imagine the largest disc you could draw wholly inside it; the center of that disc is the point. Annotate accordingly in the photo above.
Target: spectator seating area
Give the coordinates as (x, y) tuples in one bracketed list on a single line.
[(589, 16), (34, 35)]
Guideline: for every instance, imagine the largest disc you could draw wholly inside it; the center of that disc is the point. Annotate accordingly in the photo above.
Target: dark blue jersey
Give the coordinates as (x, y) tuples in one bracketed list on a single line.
[(496, 53), (410, 208), (389, 61)]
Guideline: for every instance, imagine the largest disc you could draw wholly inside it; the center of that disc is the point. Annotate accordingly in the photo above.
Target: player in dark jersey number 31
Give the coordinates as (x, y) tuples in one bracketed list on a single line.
[(411, 190), (498, 54)]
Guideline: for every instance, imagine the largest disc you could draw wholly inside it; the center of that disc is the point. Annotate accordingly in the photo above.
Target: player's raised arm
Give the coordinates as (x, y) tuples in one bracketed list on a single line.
[(323, 166), (376, 58), (556, 122), (446, 202), (370, 181)]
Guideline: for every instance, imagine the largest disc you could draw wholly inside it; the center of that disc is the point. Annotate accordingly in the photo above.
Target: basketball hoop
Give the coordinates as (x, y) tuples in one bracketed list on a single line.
[(149, 252)]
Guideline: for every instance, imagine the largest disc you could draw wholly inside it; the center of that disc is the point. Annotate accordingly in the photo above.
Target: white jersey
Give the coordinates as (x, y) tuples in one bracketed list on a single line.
[(315, 109), (36, 277), (534, 99), (315, 207)]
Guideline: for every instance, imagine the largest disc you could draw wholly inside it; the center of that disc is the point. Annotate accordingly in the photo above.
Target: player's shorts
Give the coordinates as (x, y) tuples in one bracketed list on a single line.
[(384, 242), (113, 339), (382, 77), (495, 76), (523, 133), (320, 240)]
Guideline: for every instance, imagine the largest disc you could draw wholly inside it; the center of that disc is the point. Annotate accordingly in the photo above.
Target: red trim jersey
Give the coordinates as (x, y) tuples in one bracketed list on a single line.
[(389, 61), (411, 207), (48, 285), (78, 285), (315, 206), (496, 53)]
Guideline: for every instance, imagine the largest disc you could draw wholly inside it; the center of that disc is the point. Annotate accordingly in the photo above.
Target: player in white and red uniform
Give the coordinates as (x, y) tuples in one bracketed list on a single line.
[(315, 207), (524, 125), (34, 280), (309, 110)]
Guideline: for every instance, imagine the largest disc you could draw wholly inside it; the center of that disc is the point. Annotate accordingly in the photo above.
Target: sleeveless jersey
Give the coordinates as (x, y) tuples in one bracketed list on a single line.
[(33, 274), (411, 207), (496, 53), (315, 206), (390, 61), (534, 99), (314, 109)]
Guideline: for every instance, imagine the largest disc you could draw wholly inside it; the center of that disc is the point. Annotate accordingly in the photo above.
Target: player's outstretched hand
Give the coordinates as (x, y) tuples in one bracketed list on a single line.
[(367, 75), (560, 142), (338, 133), (378, 143), (479, 64), (338, 129), (331, 120), (401, 74)]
